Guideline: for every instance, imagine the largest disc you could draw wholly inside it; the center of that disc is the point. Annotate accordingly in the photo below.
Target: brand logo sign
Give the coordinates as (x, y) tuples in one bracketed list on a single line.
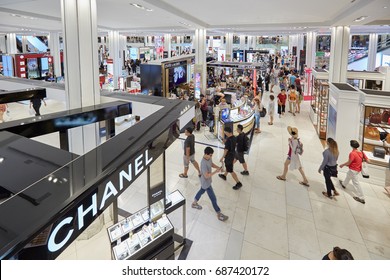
[(70, 226)]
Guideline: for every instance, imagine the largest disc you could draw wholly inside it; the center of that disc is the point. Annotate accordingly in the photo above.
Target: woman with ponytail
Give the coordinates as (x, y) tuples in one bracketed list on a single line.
[(329, 166)]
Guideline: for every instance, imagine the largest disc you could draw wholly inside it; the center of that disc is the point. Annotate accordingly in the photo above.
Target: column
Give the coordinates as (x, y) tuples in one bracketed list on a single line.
[(167, 44), (3, 44), (54, 46), (113, 49), (229, 46), (200, 57), (79, 21), (24, 44), (339, 54), (372, 51), (211, 44), (310, 48), (300, 42), (11, 43), (292, 42)]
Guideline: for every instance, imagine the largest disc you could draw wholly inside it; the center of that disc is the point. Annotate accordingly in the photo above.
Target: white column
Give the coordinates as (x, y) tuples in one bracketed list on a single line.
[(24, 44), (113, 48), (211, 43), (292, 42), (123, 48), (339, 54), (3, 44), (310, 49), (200, 55), (11, 43), (372, 51), (167, 44), (299, 48), (79, 20), (54, 46), (229, 46)]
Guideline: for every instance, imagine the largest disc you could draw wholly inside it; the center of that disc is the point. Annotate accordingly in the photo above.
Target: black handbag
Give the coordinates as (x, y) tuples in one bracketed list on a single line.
[(332, 170), (263, 113)]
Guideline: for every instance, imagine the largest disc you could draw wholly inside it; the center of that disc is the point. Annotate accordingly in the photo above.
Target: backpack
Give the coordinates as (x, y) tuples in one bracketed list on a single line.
[(299, 148)]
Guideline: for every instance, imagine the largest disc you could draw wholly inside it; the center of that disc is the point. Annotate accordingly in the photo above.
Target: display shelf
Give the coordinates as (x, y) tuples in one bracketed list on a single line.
[(138, 241), (375, 127), (322, 111)]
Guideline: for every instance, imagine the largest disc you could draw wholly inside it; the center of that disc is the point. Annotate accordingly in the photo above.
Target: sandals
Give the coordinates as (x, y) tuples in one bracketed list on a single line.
[(183, 176), (326, 194), (335, 193), (222, 217), (304, 184), (280, 178), (196, 206)]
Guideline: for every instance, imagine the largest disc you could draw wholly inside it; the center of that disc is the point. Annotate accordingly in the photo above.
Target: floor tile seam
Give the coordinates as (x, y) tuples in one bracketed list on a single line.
[(261, 248), (376, 243), (335, 205)]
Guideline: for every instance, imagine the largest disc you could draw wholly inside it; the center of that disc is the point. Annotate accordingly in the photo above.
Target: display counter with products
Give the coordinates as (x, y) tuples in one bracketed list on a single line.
[(375, 126), (322, 110), (138, 237), (232, 117)]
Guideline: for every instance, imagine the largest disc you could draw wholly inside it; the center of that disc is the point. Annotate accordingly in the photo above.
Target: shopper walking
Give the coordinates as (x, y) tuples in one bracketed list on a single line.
[(241, 147), (293, 160), (257, 108), (189, 153), (338, 254), (206, 166), (271, 109), (36, 103), (282, 102), (292, 100), (228, 157), (329, 166), (354, 163)]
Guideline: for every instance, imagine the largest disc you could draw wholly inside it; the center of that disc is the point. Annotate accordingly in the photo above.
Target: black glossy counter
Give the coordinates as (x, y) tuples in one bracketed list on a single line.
[(83, 182)]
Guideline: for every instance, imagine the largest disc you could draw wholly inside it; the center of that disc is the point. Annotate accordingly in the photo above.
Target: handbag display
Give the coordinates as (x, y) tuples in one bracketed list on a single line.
[(375, 118), (379, 152), (371, 132), (385, 116)]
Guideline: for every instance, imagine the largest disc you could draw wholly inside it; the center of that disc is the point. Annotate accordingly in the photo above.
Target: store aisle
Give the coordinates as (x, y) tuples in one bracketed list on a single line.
[(268, 218), (272, 219)]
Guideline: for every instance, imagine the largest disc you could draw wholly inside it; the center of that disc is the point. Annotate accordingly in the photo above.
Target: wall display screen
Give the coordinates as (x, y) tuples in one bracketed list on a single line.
[(44, 66), (177, 76), (225, 114), (32, 68)]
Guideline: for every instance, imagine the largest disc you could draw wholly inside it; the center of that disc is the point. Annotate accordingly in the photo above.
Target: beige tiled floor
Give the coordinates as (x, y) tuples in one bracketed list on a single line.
[(268, 218)]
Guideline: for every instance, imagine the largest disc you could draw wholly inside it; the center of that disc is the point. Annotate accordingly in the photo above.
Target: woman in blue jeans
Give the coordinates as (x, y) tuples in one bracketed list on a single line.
[(206, 166), (257, 108)]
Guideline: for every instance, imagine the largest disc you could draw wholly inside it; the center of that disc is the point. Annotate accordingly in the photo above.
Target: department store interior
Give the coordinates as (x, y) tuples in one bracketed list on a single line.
[(99, 98)]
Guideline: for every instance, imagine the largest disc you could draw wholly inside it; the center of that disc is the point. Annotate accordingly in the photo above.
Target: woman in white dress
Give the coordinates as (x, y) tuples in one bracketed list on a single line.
[(293, 157)]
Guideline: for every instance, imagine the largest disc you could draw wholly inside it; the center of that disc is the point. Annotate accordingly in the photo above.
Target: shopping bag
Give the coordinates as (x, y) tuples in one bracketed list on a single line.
[(365, 171)]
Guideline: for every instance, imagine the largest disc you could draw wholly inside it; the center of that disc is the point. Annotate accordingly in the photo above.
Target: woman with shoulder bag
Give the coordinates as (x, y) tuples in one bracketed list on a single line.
[(354, 163), (257, 108), (329, 166)]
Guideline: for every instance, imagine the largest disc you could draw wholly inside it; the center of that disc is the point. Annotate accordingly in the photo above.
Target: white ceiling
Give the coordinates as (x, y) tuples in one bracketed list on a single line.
[(251, 17)]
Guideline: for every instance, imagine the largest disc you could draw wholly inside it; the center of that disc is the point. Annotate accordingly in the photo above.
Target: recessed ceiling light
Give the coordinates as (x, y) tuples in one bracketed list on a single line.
[(184, 23), (141, 7), (361, 18), (384, 7)]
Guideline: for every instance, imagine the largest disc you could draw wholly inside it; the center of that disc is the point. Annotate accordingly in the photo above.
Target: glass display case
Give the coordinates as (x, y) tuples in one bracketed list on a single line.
[(322, 110), (375, 133), (130, 242)]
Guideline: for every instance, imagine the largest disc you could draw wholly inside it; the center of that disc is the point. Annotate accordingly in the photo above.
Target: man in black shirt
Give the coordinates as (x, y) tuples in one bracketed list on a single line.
[(241, 147), (228, 157), (189, 153)]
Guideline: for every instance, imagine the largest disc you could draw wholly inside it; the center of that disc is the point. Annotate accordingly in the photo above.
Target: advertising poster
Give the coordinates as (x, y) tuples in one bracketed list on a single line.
[(198, 80)]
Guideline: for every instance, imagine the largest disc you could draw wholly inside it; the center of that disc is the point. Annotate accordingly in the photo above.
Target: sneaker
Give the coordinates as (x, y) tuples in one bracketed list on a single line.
[(341, 183), (237, 186), (245, 172), (222, 217), (222, 176), (196, 206), (325, 194), (359, 199)]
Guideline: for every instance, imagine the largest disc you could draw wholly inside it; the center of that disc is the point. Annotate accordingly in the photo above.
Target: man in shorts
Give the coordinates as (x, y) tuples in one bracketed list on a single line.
[(189, 153), (228, 157), (241, 148)]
